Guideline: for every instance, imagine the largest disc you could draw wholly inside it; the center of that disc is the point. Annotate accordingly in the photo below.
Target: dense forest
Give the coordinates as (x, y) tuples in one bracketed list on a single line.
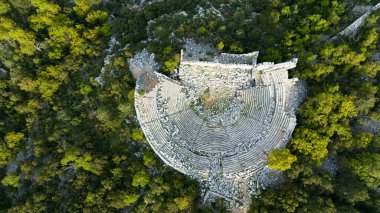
[(69, 143)]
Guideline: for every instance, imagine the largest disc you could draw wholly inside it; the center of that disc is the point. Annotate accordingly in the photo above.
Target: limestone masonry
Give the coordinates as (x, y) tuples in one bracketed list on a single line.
[(219, 119)]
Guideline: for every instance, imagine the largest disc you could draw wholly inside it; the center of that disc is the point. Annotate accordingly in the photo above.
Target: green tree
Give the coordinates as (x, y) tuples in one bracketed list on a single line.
[(46, 13), (362, 139), (317, 72), (96, 16), (202, 30), (281, 159), (82, 7), (13, 139), (137, 134), (286, 11), (367, 167), (329, 112), (4, 7), (183, 202), (11, 179), (10, 146), (220, 45), (171, 64), (90, 163), (141, 179), (236, 47), (310, 142), (149, 159), (22, 6), (130, 198), (285, 199), (351, 189), (20, 40)]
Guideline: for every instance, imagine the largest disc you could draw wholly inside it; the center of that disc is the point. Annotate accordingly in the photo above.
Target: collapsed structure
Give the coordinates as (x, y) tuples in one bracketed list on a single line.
[(220, 119)]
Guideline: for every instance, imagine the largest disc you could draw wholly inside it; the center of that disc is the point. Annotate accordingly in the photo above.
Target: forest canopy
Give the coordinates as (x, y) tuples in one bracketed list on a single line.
[(71, 142)]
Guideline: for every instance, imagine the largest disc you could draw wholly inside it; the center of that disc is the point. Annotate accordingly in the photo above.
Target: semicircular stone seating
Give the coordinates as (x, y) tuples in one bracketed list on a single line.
[(183, 138)]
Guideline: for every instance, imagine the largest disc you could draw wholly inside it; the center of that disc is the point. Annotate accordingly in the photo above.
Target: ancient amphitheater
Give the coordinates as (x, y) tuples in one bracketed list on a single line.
[(218, 119)]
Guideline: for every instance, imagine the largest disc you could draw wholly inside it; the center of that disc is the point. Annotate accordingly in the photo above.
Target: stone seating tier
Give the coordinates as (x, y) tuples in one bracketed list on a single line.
[(213, 140), (261, 96), (238, 163), (188, 127), (176, 100), (147, 106), (273, 140), (184, 140), (238, 132)]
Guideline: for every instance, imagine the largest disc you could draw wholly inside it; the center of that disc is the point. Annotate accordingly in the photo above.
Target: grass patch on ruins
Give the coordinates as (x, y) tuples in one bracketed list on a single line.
[(141, 92), (216, 102)]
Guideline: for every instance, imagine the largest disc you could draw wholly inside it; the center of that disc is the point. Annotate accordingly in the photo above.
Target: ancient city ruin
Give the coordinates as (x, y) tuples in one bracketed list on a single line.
[(219, 118)]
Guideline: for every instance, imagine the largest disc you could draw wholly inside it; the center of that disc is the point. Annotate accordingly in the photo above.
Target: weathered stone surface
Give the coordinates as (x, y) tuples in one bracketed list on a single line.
[(220, 120), (354, 26)]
